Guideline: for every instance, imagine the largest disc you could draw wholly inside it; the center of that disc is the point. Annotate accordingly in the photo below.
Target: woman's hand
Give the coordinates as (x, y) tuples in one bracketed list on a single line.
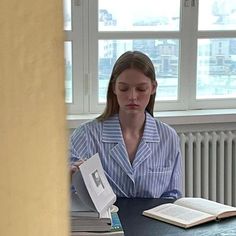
[(74, 167)]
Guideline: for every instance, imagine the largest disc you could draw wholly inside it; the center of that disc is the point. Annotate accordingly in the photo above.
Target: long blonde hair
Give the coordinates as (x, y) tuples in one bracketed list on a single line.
[(130, 59)]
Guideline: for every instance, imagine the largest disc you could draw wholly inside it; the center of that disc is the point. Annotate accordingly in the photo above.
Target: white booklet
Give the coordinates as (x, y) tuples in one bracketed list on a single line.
[(94, 195)]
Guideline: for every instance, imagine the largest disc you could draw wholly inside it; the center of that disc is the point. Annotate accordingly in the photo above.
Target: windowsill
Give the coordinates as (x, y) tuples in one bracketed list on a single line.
[(173, 117)]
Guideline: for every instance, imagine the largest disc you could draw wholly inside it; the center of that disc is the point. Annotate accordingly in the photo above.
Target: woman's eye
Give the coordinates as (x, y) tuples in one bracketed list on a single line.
[(141, 89), (123, 89)]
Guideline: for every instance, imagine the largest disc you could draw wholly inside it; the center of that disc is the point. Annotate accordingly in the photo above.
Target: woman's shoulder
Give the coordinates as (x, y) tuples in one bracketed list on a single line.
[(165, 128), (155, 121), (163, 124), (158, 128), (90, 123), (87, 126)]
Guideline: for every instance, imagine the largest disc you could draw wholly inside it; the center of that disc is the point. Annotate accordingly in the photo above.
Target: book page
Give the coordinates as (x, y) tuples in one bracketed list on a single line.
[(81, 200), (178, 215), (204, 205), (97, 184), (77, 205)]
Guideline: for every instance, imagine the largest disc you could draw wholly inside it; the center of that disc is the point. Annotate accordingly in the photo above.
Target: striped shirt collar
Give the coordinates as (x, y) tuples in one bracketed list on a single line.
[(112, 130)]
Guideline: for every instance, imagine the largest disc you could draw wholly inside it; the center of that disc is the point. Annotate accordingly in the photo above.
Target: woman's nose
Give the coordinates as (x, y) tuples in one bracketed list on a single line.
[(132, 94)]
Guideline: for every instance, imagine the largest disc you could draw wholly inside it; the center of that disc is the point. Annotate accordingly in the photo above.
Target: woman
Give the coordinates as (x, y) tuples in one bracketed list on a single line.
[(140, 155)]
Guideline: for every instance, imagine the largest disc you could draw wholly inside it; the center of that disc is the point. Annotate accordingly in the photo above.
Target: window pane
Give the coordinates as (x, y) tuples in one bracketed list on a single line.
[(164, 54), (216, 68), (68, 71), (67, 15), (217, 15), (132, 15)]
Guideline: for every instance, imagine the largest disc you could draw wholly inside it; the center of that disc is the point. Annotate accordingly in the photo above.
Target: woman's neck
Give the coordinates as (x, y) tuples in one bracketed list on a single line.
[(132, 123), (132, 126)]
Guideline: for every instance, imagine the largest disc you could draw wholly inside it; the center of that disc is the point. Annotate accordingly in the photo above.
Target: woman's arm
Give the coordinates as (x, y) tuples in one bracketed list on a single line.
[(174, 189), (77, 145)]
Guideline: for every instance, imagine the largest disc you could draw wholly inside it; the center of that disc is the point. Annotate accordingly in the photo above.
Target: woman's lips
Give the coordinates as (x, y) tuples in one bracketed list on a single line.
[(133, 106)]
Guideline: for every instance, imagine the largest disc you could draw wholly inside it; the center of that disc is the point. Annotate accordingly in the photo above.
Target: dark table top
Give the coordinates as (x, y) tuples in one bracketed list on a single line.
[(135, 224)]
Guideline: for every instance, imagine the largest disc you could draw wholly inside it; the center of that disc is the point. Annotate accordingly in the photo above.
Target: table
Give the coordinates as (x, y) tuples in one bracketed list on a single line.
[(135, 224)]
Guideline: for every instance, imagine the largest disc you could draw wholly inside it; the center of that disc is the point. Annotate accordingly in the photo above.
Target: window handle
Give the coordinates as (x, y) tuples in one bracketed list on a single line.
[(77, 3), (187, 3), (193, 3), (190, 3)]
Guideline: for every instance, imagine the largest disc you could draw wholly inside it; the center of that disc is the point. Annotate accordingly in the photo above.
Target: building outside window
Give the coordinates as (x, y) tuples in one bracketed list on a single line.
[(191, 43)]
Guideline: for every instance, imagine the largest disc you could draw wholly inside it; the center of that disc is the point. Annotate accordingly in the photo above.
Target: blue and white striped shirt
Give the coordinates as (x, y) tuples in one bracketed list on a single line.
[(156, 170)]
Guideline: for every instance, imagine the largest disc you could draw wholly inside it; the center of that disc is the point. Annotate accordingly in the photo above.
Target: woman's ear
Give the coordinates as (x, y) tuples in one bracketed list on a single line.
[(154, 87), (114, 88)]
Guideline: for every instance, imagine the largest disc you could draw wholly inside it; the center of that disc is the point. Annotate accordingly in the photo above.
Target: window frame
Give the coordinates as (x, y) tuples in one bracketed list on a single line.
[(85, 36)]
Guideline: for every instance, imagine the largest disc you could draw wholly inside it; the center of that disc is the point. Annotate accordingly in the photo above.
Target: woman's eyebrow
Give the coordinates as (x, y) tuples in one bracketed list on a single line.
[(139, 84)]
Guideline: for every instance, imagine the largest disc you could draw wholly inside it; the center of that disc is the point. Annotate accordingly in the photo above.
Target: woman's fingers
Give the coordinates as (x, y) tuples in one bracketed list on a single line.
[(75, 165)]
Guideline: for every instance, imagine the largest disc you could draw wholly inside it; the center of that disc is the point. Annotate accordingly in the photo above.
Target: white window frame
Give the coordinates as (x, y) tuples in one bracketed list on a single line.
[(85, 36)]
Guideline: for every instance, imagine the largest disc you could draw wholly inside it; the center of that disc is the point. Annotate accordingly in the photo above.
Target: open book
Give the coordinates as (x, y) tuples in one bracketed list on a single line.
[(94, 195), (188, 212)]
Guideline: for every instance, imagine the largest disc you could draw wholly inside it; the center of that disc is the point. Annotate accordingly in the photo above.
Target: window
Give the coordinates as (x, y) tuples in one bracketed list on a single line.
[(191, 43)]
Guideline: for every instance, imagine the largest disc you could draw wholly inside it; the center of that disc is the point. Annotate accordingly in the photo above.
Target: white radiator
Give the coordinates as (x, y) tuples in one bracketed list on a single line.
[(209, 164)]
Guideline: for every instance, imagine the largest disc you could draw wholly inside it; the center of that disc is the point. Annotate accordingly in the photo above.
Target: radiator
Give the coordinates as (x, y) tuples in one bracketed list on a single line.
[(209, 165)]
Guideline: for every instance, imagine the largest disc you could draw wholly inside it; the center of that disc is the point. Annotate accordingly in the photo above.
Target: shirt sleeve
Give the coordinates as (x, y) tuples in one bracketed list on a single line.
[(174, 190), (78, 145), (77, 148)]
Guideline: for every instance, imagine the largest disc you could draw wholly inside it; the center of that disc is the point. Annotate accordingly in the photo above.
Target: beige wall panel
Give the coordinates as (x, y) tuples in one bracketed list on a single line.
[(33, 136)]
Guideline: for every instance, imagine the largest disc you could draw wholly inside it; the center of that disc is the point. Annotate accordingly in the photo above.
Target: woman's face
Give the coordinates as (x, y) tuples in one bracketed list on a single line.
[(133, 90)]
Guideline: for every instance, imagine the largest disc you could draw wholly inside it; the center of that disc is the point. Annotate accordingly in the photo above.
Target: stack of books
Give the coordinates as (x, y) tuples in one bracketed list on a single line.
[(82, 220), (92, 203), (114, 229)]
